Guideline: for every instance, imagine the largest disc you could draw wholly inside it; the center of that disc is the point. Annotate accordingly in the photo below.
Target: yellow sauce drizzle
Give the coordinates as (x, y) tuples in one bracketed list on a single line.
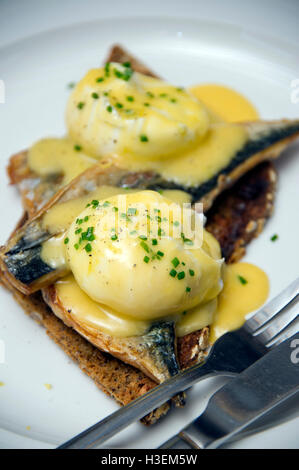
[(226, 103), (237, 299)]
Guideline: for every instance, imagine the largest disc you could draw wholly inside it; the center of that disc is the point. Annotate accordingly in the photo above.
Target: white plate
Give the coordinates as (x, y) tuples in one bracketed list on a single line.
[(36, 72)]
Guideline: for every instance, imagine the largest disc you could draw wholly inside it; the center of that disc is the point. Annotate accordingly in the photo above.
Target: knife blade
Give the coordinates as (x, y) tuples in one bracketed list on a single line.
[(252, 394)]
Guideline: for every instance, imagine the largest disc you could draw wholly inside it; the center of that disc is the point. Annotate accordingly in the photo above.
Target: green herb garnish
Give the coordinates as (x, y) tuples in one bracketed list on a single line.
[(175, 262), (242, 279)]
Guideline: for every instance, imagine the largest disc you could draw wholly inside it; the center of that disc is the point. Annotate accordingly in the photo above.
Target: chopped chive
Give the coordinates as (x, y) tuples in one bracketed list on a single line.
[(107, 69), (158, 218), (150, 94), (127, 64), (77, 148), (115, 209), (242, 279), (181, 275), (124, 216), (143, 138), (106, 93), (142, 237), (100, 79), (95, 203), (119, 105), (80, 105), (188, 289), (146, 259), (175, 262), (95, 95), (71, 85), (172, 273), (86, 218), (79, 230), (154, 241), (88, 247), (173, 100), (76, 246), (132, 211), (160, 253), (191, 272), (66, 240), (130, 98), (126, 75), (274, 237), (146, 104), (145, 246), (186, 240), (114, 237), (163, 95), (109, 109)]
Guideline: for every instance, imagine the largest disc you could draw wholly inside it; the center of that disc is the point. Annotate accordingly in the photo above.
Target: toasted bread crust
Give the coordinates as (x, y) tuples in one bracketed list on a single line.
[(118, 54), (240, 214)]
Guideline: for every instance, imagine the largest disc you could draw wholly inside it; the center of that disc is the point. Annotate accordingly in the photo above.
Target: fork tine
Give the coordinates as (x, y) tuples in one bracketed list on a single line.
[(290, 330), (273, 307), (277, 325)]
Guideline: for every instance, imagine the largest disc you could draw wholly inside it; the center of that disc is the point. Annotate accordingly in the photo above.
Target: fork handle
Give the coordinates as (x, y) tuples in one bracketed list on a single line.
[(96, 435)]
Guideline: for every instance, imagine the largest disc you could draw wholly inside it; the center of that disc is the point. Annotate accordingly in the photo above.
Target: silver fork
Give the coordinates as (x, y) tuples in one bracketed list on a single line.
[(230, 355)]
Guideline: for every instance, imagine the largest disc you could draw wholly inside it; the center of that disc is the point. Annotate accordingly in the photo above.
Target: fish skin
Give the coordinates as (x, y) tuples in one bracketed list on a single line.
[(154, 353), (263, 143), (266, 141)]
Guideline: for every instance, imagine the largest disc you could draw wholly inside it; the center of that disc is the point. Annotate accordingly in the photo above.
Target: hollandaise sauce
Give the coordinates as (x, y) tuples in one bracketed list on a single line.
[(143, 123), (125, 277), (246, 288), (224, 103)]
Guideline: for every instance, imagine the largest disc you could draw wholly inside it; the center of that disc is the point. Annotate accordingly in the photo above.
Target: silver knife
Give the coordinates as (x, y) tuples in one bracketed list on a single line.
[(240, 403), (265, 374)]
